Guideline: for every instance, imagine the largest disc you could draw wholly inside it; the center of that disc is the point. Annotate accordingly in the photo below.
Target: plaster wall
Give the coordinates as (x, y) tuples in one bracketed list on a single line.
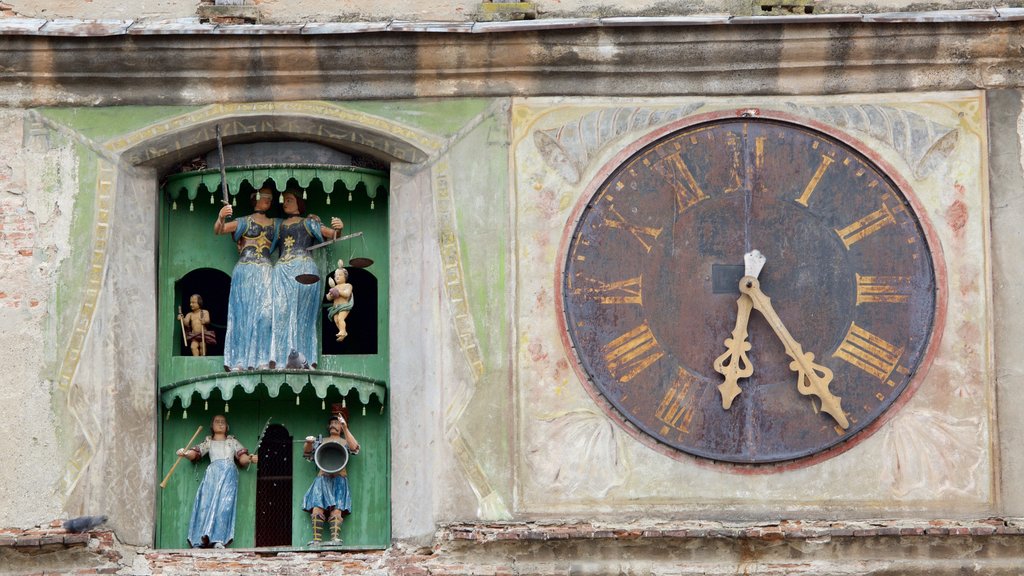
[(1006, 114), (935, 457), (478, 363), (37, 190)]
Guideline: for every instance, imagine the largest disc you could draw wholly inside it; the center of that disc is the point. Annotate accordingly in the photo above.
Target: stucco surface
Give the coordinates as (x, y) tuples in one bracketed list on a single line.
[(1007, 173), (37, 191), (491, 420), (935, 455)]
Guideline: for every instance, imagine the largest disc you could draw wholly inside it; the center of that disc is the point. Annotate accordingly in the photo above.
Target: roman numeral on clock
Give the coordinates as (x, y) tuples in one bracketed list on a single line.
[(676, 407), (645, 234), (866, 226), (632, 353), (883, 289), (809, 189), (868, 352), (628, 291), (673, 169)]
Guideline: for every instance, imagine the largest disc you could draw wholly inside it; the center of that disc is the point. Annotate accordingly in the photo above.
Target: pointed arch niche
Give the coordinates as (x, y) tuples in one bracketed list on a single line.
[(302, 144)]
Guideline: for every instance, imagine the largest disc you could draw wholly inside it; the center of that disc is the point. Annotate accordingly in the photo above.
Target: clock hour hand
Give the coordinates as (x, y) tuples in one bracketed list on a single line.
[(734, 364), (811, 378)]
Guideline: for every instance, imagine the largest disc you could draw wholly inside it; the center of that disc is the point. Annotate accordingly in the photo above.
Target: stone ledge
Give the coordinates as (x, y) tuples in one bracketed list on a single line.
[(784, 530), (919, 547), (241, 19), (54, 537)]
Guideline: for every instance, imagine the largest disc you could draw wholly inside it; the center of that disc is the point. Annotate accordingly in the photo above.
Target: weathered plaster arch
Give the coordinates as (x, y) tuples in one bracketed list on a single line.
[(181, 137), (105, 384)]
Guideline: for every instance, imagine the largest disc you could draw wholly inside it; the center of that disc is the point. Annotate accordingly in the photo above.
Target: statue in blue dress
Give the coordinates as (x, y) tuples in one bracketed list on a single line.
[(329, 495), (296, 283), (247, 341), (213, 512)]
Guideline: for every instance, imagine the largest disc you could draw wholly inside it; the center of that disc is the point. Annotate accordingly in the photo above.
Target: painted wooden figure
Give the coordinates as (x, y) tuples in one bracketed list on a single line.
[(329, 498), (196, 326), (247, 343), (213, 512), (296, 283), (340, 296)]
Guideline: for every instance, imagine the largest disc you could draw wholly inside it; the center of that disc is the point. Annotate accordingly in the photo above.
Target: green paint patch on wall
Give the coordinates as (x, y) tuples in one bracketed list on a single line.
[(483, 219), (443, 117), (74, 270), (101, 124)]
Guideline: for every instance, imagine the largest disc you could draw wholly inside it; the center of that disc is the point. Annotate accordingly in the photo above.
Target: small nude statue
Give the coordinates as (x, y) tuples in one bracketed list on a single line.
[(196, 326), (340, 295)]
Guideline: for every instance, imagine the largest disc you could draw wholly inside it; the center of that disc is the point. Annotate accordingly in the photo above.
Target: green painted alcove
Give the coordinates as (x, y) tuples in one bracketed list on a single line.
[(194, 389)]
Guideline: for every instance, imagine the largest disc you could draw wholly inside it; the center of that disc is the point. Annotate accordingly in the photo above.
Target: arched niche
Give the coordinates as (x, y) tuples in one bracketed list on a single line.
[(130, 170)]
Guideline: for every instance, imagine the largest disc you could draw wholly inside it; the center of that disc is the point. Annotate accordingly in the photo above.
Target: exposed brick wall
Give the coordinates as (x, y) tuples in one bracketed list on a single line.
[(17, 242)]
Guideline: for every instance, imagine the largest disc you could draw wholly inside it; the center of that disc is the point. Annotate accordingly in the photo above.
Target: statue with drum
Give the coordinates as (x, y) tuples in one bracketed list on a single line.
[(329, 498)]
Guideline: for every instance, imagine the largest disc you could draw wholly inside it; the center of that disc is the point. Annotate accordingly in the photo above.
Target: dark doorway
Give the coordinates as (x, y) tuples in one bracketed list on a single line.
[(274, 489)]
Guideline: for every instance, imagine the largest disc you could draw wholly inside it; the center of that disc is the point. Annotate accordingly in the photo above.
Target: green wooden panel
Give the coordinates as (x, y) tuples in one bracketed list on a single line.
[(190, 185), (369, 525), (187, 243)]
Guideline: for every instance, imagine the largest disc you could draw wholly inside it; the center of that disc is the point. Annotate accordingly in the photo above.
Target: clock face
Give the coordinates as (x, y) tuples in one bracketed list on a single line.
[(650, 289)]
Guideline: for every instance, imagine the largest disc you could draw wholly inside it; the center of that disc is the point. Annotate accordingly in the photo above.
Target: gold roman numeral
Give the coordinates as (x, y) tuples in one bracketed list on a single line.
[(883, 289), (673, 169), (866, 226), (645, 234), (632, 353), (826, 161), (626, 291), (868, 352), (676, 407)]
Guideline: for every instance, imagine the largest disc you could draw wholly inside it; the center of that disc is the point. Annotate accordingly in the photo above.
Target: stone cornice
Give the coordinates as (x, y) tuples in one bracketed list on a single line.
[(120, 63), (112, 27)]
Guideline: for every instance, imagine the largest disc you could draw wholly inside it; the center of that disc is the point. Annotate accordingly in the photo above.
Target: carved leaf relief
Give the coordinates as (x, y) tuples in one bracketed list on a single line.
[(931, 453), (569, 149), (582, 454), (922, 143)]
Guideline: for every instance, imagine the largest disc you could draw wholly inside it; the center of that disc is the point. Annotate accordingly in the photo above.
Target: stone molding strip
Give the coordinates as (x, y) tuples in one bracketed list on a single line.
[(929, 548), (99, 28), (784, 530), (108, 64)]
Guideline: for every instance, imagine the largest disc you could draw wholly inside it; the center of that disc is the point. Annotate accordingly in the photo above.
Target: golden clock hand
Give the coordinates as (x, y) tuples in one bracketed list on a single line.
[(734, 364), (811, 378)]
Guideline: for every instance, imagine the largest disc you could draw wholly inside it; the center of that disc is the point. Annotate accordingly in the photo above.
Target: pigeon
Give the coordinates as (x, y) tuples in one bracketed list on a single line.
[(83, 523), (296, 361)]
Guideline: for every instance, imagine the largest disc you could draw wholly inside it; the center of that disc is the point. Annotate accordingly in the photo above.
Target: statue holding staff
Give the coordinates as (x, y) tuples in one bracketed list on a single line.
[(195, 323), (213, 512), (247, 343)]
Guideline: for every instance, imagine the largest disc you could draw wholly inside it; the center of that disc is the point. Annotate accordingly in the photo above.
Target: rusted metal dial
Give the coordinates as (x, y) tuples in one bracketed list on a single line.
[(650, 288)]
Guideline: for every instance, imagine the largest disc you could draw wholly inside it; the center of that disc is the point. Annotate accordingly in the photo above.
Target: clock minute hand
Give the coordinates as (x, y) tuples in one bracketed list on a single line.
[(734, 364), (811, 378)]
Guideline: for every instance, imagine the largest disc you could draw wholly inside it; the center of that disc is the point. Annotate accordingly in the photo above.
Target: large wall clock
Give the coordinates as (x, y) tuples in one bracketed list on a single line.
[(760, 361)]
